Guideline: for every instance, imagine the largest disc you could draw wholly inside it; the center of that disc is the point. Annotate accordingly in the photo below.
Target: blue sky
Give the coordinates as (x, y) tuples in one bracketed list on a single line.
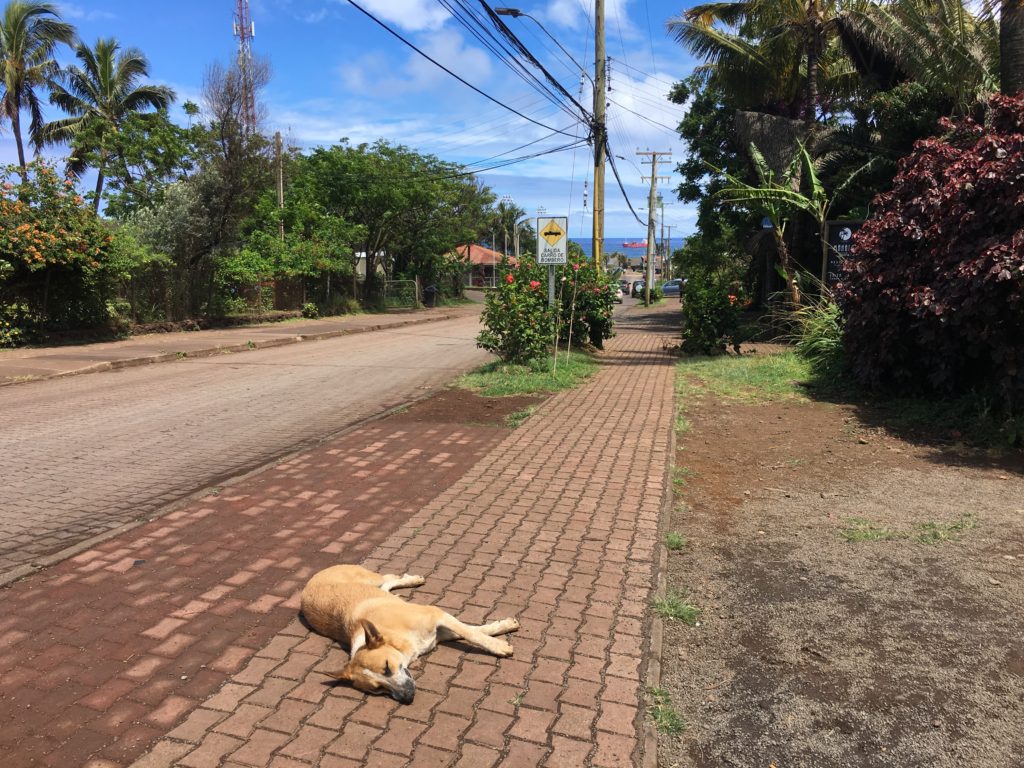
[(337, 74)]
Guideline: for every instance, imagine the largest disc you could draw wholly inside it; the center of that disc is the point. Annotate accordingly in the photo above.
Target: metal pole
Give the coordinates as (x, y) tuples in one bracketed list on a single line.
[(280, 182), (668, 252), (599, 134), (649, 271), (661, 212)]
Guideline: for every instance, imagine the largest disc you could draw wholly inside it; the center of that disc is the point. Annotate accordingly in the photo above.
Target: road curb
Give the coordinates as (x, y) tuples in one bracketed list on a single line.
[(656, 647), (248, 346), (45, 561)]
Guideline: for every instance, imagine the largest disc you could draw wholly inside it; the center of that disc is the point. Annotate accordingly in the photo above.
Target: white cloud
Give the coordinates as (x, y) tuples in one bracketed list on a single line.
[(375, 74), (71, 11), (410, 15), (576, 13), (314, 17)]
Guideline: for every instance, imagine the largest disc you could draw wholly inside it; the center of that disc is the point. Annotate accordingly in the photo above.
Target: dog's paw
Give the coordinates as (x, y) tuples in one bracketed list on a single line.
[(413, 581), (512, 624), (502, 650)]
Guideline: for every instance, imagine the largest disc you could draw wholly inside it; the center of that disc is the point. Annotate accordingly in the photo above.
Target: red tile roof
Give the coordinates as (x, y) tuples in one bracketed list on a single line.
[(480, 255)]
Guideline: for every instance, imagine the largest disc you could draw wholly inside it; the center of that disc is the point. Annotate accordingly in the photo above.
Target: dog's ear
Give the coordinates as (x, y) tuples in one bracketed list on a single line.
[(374, 639), (342, 674)]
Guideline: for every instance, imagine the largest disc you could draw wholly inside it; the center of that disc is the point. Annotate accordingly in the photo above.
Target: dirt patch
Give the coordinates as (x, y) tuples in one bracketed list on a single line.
[(461, 406), (861, 596)]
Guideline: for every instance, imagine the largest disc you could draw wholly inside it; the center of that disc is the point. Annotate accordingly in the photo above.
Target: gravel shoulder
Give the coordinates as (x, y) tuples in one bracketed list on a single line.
[(861, 594)]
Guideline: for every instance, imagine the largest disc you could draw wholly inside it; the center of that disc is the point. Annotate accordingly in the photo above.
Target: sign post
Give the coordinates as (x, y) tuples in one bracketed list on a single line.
[(552, 247), (840, 239)]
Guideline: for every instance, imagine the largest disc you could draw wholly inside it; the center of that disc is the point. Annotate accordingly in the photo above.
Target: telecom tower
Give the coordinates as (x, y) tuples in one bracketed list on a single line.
[(245, 31)]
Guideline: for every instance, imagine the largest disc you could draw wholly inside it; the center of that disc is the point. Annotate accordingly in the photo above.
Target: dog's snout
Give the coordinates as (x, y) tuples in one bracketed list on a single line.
[(404, 690)]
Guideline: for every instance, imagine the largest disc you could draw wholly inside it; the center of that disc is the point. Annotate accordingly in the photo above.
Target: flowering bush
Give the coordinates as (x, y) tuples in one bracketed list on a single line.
[(516, 318), (933, 292), (586, 303), (46, 223), (52, 248), (711, 313)]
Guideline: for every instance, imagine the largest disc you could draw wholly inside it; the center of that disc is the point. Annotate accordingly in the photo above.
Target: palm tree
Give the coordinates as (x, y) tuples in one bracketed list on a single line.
[(940, 44), (29, 35), (779, 50), (99, 95), (1011, 47)]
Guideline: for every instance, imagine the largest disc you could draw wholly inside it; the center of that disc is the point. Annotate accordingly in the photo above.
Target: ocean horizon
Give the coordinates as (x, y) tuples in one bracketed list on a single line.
[(611, 245)]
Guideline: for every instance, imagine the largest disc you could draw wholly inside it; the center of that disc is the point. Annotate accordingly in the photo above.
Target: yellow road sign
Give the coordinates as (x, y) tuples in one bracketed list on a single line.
[(552, 232)]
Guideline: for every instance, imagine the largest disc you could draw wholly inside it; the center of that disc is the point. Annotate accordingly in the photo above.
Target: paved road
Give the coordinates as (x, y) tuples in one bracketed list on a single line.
[(91, 453)]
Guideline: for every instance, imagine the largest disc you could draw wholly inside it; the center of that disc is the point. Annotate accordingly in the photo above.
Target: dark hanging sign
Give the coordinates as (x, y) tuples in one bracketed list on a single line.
[(840, 238)]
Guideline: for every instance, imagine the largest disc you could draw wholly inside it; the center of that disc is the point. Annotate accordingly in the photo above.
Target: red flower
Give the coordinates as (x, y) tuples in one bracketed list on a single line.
[(509, 278), (732, 299), (576, 267), (534, 284)]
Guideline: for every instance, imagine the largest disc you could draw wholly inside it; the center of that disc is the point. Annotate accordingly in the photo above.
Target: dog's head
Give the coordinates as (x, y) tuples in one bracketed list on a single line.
[(378, 668)]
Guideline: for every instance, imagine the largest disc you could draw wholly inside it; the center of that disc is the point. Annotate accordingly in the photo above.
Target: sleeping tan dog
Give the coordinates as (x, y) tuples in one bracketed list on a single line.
[(384, 633)]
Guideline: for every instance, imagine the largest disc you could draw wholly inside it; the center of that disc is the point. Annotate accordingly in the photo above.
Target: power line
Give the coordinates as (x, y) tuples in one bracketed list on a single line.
[(627, 65), (476, 25), (644, 117), (436, 63), (622, 188), (516, 43)]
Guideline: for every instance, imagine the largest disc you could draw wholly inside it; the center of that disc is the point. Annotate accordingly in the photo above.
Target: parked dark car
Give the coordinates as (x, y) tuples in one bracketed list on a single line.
[(637, 289)]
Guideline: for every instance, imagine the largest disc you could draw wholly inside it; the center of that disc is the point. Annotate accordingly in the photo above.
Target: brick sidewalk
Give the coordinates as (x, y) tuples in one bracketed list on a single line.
[(178, 641), (544, 528), (104, 653)]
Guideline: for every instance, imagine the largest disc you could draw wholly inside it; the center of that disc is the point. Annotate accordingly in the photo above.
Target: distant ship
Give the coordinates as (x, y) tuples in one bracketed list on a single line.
[(637, 244)]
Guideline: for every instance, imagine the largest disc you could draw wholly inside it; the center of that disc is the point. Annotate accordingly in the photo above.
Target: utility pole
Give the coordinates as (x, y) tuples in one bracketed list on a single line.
[(651, 201), (599, 132), (661, 245), (280, 183), (668, 252)]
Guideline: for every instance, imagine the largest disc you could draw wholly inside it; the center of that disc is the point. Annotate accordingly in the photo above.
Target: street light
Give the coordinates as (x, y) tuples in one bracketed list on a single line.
[(515, 13), (598, 127)]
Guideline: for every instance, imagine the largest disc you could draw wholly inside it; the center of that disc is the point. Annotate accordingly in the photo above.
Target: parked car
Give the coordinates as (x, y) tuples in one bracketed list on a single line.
[(617, 294), (637, 289), (624, 285), (672, 287)]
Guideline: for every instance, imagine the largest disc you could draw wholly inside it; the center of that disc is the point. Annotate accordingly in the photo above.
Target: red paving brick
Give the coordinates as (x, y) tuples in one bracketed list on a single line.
[(141, 630), (536, 524)]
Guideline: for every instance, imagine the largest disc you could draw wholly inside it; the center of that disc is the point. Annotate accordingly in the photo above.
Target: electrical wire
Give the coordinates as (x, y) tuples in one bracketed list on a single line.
[(668, 128), (516, 149), (517, 44), (622, 188), (450, 72), (477, 26), (646, 74)]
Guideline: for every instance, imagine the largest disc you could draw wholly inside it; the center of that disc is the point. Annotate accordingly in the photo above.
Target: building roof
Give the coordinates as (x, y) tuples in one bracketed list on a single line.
[(477, 254)]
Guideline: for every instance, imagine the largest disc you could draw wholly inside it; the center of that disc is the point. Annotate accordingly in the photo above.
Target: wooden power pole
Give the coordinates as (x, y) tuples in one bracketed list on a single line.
[(600, 132), (651, 202)]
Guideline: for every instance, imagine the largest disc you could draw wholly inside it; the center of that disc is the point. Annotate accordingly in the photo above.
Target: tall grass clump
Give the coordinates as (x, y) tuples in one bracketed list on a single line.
[(818, 333)]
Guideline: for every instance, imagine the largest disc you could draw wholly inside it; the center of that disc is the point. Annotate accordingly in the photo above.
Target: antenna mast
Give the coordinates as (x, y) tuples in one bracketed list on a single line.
[(244, 29)]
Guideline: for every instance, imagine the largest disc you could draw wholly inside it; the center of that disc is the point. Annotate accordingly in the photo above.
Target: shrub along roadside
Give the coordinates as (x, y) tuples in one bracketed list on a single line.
[(519, 326), (711, 314), (933, 292)]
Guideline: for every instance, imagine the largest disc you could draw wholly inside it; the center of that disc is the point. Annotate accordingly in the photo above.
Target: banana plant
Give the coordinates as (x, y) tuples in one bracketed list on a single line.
[(779, 197)]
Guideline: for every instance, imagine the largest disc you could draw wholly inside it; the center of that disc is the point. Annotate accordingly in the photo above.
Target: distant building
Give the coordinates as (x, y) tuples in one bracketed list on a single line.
[(483, 264)]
